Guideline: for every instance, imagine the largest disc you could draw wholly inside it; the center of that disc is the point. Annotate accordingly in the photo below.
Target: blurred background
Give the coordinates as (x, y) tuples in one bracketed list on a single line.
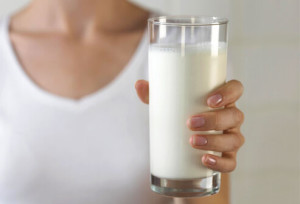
[(264, 53)]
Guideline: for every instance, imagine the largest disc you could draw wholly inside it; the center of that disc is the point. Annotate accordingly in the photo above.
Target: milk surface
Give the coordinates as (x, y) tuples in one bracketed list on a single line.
[(180, 80)]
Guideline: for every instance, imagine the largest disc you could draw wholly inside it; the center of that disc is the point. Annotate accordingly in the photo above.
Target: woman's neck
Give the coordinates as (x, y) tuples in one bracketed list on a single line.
[(80, 17)]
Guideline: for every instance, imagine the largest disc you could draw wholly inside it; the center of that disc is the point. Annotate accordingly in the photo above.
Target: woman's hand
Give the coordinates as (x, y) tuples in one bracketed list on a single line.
[(227, 120)]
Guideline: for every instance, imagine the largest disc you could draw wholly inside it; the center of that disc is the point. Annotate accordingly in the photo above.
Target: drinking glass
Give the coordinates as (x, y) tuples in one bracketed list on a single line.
[(187, 60)]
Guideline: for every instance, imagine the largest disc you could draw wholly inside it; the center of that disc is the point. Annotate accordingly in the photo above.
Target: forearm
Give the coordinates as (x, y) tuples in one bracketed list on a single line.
[(221, 198)]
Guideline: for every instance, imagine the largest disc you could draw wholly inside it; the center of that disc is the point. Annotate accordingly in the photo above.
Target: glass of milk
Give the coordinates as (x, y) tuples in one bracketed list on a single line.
[(187, 60)]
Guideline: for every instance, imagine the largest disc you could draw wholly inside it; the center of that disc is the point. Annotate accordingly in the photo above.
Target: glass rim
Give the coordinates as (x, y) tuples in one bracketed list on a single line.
[(208, 20)]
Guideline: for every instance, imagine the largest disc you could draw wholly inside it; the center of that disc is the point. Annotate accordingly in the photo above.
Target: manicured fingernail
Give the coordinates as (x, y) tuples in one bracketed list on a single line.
[(197, 122), (210, 160), (215, 100), (199, 140)]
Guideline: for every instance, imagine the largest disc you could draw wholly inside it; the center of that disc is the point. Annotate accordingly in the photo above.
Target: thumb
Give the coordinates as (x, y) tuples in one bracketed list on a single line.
[(142, 89)]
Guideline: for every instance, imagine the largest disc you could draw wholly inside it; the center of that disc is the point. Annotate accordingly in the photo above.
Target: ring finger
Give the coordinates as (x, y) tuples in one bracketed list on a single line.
[(221, 143), (216, 120)]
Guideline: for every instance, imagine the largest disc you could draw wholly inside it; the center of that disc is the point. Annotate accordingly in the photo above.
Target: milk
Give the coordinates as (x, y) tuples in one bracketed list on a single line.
[(180, 80)]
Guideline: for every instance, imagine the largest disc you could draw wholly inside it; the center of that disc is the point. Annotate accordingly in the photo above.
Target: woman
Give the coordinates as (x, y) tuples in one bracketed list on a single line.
[(71, 127)]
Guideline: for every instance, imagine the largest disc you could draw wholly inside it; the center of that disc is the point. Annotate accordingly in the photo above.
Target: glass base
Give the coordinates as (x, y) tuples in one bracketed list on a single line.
[(186, 187)]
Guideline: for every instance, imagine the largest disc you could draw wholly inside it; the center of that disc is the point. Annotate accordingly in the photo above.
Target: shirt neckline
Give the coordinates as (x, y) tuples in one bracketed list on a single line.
[(68, 103)]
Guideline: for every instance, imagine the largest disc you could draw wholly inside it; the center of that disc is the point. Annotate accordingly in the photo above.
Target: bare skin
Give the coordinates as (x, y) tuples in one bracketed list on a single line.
[(73, 48), (75, 52)]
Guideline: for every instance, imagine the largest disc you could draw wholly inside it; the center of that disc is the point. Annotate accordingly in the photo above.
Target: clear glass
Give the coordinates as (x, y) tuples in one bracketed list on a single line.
[(187, 60)]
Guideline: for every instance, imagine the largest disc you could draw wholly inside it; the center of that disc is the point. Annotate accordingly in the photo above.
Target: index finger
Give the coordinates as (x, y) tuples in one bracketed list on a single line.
[(225, 95)]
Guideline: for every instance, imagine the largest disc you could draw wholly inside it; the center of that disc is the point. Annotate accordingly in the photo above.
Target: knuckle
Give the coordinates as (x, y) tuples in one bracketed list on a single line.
[(238, 115), (238, 141), (238, 83), (233, 166), (230, 166), (236, 144), (230, 162), (218, 121)]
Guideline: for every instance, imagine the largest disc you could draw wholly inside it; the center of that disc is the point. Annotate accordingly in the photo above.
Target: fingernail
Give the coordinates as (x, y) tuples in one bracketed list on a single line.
[(197, 122), (210, 161), (199, 140), (215, 99)]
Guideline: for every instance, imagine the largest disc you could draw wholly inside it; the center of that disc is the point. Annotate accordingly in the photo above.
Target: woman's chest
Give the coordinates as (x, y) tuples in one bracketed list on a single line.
[(53, 151), (72, 68)]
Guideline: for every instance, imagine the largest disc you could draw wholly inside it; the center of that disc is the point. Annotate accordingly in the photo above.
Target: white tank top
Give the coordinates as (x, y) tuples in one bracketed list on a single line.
[(55, 150)]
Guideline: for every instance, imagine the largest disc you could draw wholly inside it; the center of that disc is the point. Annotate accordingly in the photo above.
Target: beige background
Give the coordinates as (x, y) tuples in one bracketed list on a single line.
[(264, 52)]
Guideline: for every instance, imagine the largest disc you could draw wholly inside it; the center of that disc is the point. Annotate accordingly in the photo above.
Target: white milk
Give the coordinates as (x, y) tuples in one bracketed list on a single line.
[(179, 84)]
